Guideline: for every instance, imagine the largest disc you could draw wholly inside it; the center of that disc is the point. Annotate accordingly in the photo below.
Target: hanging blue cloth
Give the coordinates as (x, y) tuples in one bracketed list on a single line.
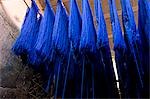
[(33, 59), (119, 48), (43, 44), (107, 70), (144, 31), (144, 20), (101, 90), (60, 47), (74, 25), (88, 51), (71, 77), (23, 44), (104, 50), (127, 9), (134, 62)]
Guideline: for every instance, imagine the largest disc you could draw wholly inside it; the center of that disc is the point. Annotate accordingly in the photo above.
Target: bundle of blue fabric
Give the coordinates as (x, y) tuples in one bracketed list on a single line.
[(104, 52), (72, 76), (75, 57), (24, 44), (60, 46), (88, 51), (132, 40), (144, 31), (119, 48)]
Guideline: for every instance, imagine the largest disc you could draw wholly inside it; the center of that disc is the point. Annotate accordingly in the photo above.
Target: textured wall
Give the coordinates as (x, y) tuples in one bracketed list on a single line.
[(9, 64)]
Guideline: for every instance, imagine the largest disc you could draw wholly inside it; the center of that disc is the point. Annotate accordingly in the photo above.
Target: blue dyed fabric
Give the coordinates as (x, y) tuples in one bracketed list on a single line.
[(144, 31), (75, 25), (131, 35), (88, 51), (105, 60), (102, 35), (117, 34), (72, 65), (60, 46), (119, 47), (43, 44), (60, 40), (144, 20), (24, 42), (33, 59), (88, 34), (76, 58)]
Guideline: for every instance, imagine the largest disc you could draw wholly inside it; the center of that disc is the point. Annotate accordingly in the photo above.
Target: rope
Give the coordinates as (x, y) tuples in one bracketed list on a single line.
[(29, 7), (26, 4)]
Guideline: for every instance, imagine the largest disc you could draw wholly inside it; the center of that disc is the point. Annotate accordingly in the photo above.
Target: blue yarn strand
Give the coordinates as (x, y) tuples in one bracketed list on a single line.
[(43, 44), (66, 76), (82, 82), (57, 80), (29, 30), (130, 33), (93, 93), (60, 44)]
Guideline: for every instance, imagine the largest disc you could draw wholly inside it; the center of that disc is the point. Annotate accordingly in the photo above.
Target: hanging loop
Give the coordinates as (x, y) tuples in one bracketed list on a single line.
[(26, 3), (29, 7), (34, 2)]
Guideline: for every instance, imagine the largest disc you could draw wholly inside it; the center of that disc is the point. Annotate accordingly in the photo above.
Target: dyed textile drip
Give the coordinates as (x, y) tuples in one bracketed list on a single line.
[(101, 90), (119, 48), (43, 44), (74, 37), (29, 30), (105, 62), (60, 46), (131, 35), (70, 55), (88, 51), (33, 59), (75, 25), (144, 20), (144, 31), (110, 89)]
